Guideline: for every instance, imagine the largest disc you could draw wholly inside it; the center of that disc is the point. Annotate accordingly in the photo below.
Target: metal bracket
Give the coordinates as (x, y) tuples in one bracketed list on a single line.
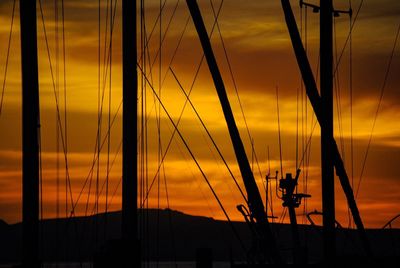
[(315, 8)]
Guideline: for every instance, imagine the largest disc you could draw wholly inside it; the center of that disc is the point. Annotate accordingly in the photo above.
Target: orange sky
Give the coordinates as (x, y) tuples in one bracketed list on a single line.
[(261, 58)]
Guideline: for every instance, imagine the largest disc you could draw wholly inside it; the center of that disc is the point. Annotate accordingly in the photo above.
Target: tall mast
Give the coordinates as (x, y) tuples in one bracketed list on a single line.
[(254, 198), (129, 134), (326, 86), (30, 137), (316, 103)]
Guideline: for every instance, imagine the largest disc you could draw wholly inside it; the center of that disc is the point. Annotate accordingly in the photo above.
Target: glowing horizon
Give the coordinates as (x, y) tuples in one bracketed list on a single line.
[(261, 58)]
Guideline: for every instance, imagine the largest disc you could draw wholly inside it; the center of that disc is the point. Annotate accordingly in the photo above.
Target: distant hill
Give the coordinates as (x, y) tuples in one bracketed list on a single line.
[(171, 235)]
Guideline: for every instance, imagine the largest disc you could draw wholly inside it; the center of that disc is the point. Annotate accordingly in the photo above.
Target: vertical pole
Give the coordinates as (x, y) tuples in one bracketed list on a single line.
[(255, 201), (297, 254), (30, 130), (328, 190), (129, 132)]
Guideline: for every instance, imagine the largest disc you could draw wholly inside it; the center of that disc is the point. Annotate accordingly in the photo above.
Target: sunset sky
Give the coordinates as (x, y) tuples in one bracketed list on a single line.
[(262, 61)]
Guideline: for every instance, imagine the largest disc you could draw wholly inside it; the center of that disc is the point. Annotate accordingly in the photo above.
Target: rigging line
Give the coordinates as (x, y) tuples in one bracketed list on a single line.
[(146, 53), (107, 51), (56, 99), (171, 139), (307, 146), (65, 100), (173, 134), (145, 167), (176, 49), (269, 188), (184, 106), (171, 229), (106, 66), (297, 125), (99, 126), (109, 171), (97, 151), (109, 114), (196, 162), (208, 133), (351, 109), (57, 143), (112, 13), (7, 57), (111, 166), (141, 168), (236, 88), (95, 159), (379, 106), (338, 97), (57, 45), (304, 104), (348, 36), (41, 243), (105, 55), (147, 41), (109, 121), (165, 33), (300, 106), (279, 131), (297, 92), (158, 116), (102, 89), (143, 123)]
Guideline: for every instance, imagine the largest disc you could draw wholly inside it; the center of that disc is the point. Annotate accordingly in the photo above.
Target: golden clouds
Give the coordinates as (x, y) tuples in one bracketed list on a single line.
[(261, 58)]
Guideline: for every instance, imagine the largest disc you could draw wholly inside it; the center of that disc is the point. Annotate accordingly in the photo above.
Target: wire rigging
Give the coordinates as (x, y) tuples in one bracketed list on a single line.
[(7, 57), (279, 131), (351, 106), (145, 195), (57, 104), (338, 96), (209, 134), (235, 87), (194, 159), (348, 36), (382, 91)]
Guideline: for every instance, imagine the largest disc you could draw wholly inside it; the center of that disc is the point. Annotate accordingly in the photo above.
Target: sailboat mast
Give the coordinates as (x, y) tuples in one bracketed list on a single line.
[(315, 100), (327, 168), (129, 133), (30, 137), (254, 198)]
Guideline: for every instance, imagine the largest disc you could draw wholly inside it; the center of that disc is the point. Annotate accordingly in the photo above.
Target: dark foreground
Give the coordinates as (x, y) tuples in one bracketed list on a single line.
[(173, 238)]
